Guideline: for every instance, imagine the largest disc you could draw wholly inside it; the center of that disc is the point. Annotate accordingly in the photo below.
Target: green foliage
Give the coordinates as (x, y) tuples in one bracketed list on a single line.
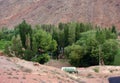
[(82, 43), (41, 58), (14, 48), (117, 58), (66, 35), (75, 54), (61, 26), (71, 33), (47, 27), (6, 34), (61, 39), (44, 40), (26, 42), (100, 36), (98, 45), (7, 49), (25, 32), (110, 49), (28, 54), (114, 29), (3, 44), (90, 45)]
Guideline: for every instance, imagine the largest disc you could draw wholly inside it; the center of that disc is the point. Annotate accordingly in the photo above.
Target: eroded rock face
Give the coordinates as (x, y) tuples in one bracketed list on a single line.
[(100, 12)]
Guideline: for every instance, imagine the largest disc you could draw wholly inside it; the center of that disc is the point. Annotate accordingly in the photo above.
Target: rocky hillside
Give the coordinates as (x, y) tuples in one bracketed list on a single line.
[(15, 70), (100, 12)]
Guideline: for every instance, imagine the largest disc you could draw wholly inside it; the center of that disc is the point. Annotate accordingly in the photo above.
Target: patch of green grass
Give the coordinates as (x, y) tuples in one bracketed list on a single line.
[(2, 44)]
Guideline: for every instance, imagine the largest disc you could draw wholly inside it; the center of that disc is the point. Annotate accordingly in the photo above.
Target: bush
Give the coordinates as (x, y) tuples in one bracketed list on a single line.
[(110, 49), (14, 48), (28, 54), (3, 44), (75, 54), (7, 49), (41, 58)]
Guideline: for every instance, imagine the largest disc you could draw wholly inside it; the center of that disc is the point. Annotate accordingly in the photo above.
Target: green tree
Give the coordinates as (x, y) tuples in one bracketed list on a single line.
[(25, 32), (66, 34), (75, 54), (90, 45), (44, 41), (110, 50), (42, 58), (14, 48), (71, 36), (6, 34), (114, 29)]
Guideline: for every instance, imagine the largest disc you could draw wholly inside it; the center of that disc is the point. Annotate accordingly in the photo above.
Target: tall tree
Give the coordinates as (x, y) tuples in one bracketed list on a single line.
[(66, 34), (44, 41), (25, 32), (114, 29), (71, 36)]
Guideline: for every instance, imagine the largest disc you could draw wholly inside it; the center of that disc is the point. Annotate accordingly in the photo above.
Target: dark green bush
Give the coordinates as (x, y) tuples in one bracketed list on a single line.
[(14, 48), (75, 54), (41, 58), (28, 54)]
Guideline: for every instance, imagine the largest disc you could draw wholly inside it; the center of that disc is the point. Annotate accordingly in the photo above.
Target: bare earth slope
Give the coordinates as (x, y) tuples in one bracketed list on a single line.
[(14, 70), (101, 12)]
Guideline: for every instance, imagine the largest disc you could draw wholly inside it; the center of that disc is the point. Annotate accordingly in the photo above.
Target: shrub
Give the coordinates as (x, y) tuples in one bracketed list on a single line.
[(28, 54), (41, 58), (14, 48), (7, 49), (3, 44), (75, 54)]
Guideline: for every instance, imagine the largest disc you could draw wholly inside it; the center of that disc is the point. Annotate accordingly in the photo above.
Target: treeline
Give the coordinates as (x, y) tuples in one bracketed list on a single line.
[(31, 44), (82, 44)]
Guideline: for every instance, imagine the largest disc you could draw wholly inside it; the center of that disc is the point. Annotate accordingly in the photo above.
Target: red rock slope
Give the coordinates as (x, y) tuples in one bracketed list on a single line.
[(101, 12)]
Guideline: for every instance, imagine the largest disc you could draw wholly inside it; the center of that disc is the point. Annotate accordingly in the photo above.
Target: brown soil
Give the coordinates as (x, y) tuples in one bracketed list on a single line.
[(58, 63), (14, 70)]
